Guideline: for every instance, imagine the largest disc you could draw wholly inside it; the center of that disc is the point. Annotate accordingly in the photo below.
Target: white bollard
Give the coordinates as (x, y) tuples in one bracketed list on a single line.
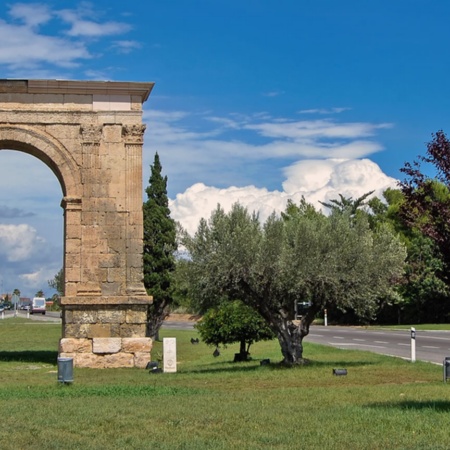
[(413, 344), (3, 314), (325, 317)]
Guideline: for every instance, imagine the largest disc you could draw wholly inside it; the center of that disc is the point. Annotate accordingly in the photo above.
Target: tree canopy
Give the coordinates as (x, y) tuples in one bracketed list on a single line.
[(58, 282), (427, 198), (232, 322), (302, 256)]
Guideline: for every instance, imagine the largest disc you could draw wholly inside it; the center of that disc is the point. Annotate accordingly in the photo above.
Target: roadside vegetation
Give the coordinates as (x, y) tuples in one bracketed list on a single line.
[(214, 403)]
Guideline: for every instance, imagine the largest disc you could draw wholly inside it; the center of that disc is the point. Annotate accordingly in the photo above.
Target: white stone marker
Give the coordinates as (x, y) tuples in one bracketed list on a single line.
[(170, 354)]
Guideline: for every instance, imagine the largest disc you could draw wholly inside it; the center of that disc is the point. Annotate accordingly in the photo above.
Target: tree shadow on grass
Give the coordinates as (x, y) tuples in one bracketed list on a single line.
[(441, 406), (339, 363), (253, 365), (30, 356), (225, 367)]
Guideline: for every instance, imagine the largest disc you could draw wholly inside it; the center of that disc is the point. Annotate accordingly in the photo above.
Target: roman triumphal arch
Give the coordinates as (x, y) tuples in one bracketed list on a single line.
[(90, 134)]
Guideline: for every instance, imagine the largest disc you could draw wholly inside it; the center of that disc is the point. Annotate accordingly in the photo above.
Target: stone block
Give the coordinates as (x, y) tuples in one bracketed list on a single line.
[(141, 360), (76, 330), (137, 345), (115, 330), (106, 345), (72, 274), (89, 360), (111, 289), (80, 316), (119, 360), (136, 317), (132, 330), (67, 316), (70, 345), (111, 316), (99, 330)]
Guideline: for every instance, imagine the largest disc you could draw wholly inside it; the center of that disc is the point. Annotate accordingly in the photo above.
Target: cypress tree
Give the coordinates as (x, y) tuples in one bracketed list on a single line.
[(159, 248)]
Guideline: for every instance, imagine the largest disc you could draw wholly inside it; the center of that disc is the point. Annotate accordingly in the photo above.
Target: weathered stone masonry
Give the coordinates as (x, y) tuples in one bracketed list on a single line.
[(90, 134)]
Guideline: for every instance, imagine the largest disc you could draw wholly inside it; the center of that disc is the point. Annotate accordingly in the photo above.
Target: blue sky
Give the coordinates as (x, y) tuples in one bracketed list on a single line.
[(255, 101)]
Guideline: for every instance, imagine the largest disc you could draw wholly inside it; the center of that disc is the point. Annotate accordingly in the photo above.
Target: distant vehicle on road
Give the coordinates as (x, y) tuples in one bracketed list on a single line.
[(37, 305)]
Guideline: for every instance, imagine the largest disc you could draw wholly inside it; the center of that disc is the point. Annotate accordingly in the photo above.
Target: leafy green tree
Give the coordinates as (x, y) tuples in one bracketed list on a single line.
[(39, 293), (233, 322), (159, 248), (304, 256), (58, 282), (423, 295)]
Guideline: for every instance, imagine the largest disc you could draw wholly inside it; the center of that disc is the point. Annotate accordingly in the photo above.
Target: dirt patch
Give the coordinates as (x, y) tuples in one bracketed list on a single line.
[(183, 318)]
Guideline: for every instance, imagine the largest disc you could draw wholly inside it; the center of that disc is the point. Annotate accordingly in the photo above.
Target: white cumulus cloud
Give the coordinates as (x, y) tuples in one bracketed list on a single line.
[(318, 180), (18, 242)]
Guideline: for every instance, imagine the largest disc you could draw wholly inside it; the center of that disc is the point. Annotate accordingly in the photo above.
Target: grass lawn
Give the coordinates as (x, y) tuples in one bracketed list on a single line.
[(212, 403)]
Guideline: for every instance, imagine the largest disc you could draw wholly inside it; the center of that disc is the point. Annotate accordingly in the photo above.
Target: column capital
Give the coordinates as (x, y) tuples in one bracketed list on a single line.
[(133, 134)]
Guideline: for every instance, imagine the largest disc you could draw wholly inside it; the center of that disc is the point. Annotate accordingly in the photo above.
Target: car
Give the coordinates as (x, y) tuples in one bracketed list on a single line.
[(2, 308)]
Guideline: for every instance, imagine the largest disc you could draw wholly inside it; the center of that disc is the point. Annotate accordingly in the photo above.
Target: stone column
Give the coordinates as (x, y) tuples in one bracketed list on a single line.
[(133, 137), (72, 244), (92, 190)]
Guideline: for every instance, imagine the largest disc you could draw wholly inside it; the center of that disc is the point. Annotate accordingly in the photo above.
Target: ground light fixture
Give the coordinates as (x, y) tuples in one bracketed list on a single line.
[(339, 372)]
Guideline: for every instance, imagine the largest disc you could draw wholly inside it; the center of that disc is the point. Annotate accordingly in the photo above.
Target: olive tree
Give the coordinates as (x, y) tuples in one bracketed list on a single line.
[(304, 255)]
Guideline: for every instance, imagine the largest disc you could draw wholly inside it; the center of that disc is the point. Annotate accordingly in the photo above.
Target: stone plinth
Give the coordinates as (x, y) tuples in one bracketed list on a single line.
[(104, 353), (105, 335)]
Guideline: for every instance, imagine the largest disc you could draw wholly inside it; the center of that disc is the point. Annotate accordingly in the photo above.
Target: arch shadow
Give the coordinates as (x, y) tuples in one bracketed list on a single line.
[(30, 356), (441, 406)]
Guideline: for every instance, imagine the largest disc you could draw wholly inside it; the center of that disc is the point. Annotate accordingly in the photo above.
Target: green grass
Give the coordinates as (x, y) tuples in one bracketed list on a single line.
[(212, 403)]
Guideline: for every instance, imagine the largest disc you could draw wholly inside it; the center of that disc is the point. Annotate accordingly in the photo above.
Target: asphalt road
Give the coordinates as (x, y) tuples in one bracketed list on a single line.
[(431, 346), (49, 316)]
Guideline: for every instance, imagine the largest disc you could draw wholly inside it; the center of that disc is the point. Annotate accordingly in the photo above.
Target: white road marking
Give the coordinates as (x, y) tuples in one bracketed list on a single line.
[(338, 337), (405, 345), (361, 340), (360, 345), (429, 346), (381, 342)]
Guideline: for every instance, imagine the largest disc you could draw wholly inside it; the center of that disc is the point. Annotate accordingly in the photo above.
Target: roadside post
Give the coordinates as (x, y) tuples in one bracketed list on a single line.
[(446, 367), (413, 344), (325, 317)]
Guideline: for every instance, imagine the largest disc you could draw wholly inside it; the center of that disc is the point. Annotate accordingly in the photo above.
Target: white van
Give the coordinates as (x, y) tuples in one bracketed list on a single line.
[(37, 305)]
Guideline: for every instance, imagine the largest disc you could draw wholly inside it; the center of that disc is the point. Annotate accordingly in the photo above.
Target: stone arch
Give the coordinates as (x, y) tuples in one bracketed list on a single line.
[(50, 151), (90, 134)]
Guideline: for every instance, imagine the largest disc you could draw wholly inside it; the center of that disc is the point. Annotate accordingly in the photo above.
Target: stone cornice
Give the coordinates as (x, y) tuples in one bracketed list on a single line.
[(141, 90)]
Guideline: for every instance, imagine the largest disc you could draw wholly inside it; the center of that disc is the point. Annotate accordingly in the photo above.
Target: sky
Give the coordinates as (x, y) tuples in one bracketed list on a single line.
[(256, 101)]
